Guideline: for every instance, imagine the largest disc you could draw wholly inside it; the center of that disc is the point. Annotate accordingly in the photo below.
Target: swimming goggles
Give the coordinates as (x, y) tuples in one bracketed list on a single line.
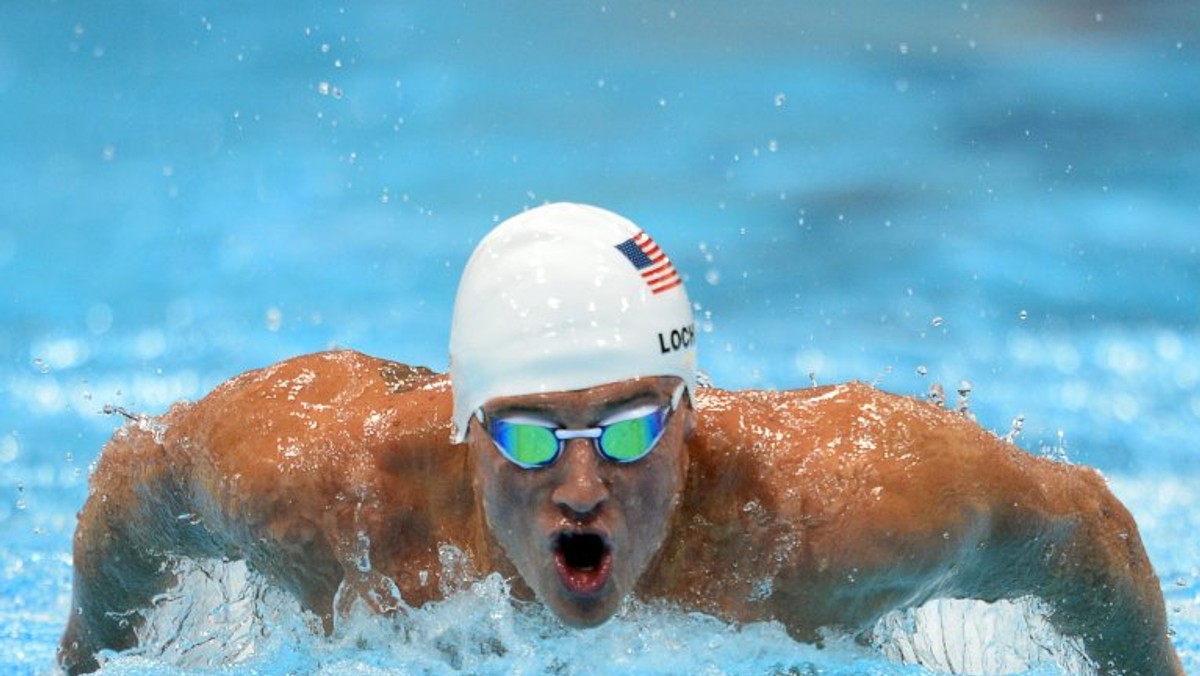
[(624, 437)]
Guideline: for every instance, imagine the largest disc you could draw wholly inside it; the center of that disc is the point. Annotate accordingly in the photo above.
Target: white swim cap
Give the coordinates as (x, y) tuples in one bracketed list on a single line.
[(566, 297)]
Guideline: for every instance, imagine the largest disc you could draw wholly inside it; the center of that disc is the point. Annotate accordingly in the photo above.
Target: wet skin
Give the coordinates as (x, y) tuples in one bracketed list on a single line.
[(816, 508), (582, 531)]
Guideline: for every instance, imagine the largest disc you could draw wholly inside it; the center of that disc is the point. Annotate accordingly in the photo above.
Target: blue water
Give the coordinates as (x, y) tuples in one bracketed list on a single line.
[(1006, 193)]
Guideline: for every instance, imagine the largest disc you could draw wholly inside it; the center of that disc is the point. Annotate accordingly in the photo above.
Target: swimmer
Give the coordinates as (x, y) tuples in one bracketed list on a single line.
[(571, 450)]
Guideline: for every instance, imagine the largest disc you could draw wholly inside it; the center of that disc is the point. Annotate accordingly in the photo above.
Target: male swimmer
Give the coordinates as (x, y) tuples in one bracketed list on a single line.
[(572, 451)]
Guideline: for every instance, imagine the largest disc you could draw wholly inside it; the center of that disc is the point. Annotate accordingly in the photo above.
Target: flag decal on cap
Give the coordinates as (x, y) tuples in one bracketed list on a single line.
[(651, 262)]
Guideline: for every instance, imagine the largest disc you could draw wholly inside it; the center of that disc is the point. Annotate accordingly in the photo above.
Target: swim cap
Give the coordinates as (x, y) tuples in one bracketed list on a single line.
[(566, 297)]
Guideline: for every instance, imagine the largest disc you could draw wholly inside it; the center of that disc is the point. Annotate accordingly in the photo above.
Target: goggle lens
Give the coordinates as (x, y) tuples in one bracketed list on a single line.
[(525, 444), (631, 440)]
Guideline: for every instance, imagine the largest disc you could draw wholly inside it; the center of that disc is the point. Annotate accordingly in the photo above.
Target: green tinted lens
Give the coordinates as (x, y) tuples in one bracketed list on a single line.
[(526, 445), (631, 440)]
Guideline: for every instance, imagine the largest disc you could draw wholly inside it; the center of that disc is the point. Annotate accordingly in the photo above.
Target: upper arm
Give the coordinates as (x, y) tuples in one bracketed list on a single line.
[(908, 502)]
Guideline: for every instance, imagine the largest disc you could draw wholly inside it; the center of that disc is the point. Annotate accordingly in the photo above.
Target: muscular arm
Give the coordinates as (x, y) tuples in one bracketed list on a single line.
[(886, 502), (127, 532), (325, 472)]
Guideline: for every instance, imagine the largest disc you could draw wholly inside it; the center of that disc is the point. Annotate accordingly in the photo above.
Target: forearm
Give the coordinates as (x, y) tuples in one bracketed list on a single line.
[(1103, 589), (127, 533)]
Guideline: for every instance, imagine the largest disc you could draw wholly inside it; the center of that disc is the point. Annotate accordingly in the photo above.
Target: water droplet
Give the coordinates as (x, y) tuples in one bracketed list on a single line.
[(1023, 315), (712, 276), (41, 365), (922, 370), (964, 399), (323, 88), (937, 321), (937, 395), (780, 99), (1014, 430)]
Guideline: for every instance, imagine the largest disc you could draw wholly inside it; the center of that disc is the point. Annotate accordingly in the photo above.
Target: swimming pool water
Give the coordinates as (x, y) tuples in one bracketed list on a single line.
[(1004, 193)]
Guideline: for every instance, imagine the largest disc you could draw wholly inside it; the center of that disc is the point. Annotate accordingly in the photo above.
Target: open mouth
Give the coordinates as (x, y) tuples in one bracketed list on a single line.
[(584, 562)]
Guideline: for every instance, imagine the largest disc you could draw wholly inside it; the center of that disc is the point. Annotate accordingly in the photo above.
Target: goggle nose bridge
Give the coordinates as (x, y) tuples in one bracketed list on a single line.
[(588, 433)]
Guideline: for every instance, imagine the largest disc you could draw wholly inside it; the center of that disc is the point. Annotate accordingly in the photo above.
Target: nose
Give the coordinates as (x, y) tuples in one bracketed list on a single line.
[(581, 490)]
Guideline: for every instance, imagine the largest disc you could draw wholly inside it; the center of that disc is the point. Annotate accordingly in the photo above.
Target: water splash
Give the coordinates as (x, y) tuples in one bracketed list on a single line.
[(223, 616), (973, 637), (937, 394), (1014, 431), (145, 423), (964, 400)]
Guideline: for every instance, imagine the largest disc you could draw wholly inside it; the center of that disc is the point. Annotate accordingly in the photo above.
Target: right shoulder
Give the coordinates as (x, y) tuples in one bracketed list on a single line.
[(315, 412), (327, 374)]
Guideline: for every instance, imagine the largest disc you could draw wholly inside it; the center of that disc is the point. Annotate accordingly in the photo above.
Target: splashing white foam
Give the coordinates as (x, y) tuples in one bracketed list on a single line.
[(221, 615)]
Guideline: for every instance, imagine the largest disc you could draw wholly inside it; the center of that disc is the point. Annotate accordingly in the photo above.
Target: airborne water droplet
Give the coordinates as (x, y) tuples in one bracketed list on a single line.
[(936, 321)]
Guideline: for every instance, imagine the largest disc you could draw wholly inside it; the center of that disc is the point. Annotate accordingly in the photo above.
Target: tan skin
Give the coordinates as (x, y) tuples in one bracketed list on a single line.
[(818, 508)]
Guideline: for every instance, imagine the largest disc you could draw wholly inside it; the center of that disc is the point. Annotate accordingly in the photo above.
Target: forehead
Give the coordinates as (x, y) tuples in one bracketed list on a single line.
[(588, 402)]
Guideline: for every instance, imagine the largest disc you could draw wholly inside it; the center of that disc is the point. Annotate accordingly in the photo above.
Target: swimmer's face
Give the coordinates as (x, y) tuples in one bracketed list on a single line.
[(583, 530)]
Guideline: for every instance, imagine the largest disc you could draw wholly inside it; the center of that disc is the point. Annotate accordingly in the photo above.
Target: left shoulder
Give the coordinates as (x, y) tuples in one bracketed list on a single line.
[(852, 431), (853, 413)]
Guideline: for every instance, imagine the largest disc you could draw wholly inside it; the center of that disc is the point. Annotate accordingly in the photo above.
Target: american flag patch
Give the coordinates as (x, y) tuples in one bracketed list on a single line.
[(651, 262)]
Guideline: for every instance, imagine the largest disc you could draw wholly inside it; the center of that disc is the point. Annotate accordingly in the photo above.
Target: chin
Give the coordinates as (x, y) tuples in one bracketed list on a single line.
[(586, 613)]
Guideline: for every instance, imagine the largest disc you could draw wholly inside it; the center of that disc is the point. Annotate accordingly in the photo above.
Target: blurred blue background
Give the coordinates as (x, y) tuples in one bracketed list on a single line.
[(1004, 193)]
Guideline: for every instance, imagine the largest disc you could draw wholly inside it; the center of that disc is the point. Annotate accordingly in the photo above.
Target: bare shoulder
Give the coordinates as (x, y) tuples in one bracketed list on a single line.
[(315, 400), (305, 430), (852, 430), (854, 454)]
